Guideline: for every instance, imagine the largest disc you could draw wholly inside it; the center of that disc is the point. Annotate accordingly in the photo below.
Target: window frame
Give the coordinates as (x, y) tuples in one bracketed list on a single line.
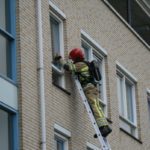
[(126, 76), (95, 50), (63, 139), (91, 146), (148, 101), (59, 72), (124, 100), (62, 134), (11, 36), (13, 114)]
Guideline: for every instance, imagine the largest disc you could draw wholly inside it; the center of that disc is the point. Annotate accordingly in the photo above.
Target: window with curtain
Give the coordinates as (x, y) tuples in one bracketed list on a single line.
[(56, 26), (7, 39)]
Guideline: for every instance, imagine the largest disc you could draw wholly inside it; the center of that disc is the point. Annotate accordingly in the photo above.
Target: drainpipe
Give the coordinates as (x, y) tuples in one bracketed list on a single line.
[(41, 74)]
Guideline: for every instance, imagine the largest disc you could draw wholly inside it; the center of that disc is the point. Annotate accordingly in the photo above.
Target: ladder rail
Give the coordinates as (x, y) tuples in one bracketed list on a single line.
[(104, 143)]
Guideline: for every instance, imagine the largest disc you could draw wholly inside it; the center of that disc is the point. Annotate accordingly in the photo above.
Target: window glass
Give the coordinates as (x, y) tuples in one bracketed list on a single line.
[(92, 54), (4, 130), (99, 85), (56, 77), (3, 55), (7, 39), (125, 93), (86, 52), (126, 98), (148, 100), (3, 13), (56, 41), (60, 144), (129, 102), (121, 6), (55, 36), (121, 97), (136, 13)]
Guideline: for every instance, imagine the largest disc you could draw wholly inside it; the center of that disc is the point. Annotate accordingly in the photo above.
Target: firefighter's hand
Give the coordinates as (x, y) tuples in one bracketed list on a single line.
[(58, 60)]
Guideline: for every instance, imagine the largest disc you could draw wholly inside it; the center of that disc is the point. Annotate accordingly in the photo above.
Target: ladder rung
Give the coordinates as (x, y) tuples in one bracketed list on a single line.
[(103, 141)]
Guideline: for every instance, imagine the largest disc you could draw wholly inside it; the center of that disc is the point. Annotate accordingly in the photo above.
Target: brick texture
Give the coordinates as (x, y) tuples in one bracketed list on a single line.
[(96, 19)]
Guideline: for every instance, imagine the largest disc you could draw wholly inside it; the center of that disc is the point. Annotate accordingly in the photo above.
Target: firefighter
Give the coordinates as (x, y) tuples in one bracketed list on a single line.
[(81, 69)]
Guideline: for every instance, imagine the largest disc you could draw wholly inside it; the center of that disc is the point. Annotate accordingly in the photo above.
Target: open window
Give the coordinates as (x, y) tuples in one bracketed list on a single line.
[(57, 43), (94, 52)]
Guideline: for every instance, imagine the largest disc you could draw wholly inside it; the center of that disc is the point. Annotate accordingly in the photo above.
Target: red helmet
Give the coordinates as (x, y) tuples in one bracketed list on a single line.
[(76, 54)]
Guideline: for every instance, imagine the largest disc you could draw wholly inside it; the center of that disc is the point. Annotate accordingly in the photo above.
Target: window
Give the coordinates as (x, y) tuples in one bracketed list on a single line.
[(61, 142), (93, 52), (7, 39), (8, 135), (91, 146), (56, 31), (88, 148), (57, 42), (148, 101), (127, 101), (136, 13), (61, 137)]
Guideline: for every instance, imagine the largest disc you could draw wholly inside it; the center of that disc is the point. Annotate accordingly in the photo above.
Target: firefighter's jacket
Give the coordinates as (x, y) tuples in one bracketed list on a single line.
[(81, 69)]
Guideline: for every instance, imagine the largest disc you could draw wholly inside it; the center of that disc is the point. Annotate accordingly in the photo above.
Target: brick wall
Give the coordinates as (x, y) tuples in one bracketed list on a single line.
[(96, 19)]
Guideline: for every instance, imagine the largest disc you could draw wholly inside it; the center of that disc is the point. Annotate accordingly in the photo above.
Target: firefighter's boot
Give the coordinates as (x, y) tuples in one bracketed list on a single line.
[(105, 130)]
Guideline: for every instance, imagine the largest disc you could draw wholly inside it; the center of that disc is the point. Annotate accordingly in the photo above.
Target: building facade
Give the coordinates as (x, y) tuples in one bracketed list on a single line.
[(40, 107)]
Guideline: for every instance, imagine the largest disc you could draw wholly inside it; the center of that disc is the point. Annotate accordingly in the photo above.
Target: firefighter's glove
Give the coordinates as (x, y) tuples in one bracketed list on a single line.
[(57, 58), (66, 67), (58, 61)]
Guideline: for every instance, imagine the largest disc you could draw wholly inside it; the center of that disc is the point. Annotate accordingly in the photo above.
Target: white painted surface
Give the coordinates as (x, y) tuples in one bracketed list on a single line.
[(8, 93)]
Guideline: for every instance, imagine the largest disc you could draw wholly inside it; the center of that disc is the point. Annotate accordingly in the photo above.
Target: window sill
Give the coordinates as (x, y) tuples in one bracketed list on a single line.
[(127, 25), (138, 140), (9, 80), (61, 88), (128, 122)]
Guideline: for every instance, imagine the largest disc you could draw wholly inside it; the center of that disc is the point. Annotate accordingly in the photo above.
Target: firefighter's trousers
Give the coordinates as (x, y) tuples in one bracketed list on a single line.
[(92, 95)]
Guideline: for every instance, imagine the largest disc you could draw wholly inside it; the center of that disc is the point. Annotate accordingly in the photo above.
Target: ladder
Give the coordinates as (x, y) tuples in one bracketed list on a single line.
[(103, 141)]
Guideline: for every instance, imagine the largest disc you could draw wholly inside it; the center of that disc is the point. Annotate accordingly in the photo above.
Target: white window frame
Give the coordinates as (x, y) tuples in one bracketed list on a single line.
[(59, 16), (95, 50), (92, 146), (126, 76), (62, 134), (63, 139)]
